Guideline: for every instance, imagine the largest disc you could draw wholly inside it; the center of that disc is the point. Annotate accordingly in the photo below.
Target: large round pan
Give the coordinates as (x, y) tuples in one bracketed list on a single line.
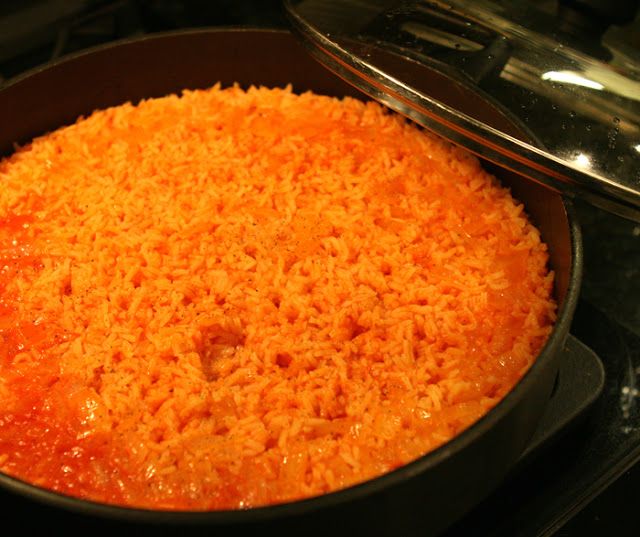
[(424, 496)]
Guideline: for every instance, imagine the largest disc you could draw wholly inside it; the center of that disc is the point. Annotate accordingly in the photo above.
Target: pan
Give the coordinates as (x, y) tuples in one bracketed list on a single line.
[(422, 497)]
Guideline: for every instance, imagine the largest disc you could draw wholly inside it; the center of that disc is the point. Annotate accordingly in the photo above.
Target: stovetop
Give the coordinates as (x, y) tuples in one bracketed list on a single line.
[(580, 482)]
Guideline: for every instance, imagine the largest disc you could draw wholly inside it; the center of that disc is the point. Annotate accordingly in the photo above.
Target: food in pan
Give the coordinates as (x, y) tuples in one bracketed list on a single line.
[(232, 298)]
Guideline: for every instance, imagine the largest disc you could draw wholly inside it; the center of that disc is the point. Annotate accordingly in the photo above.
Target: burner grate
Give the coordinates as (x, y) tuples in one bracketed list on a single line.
[(44, 31)]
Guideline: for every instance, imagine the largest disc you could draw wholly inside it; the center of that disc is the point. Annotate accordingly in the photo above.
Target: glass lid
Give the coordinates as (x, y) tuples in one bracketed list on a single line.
[(535, 92)]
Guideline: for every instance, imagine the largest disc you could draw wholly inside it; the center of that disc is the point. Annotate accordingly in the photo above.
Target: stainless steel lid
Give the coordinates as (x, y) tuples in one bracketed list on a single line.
[(580, 105)]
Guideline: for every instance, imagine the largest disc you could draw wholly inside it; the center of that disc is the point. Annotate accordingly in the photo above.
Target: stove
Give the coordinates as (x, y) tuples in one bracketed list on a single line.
[(580, 474)]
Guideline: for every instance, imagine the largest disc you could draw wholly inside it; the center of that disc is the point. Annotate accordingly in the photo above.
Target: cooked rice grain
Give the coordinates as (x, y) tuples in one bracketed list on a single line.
[(235, 298)]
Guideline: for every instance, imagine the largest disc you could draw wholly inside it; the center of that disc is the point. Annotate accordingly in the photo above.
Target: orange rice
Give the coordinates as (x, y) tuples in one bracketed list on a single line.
[(235, 298)]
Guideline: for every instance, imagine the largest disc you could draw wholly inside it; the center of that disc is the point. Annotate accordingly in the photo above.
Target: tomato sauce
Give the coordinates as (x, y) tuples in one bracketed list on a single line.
[(43, 424)]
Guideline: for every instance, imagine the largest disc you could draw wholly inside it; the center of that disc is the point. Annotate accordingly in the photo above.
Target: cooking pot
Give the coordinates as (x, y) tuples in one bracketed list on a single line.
[(424, 496)]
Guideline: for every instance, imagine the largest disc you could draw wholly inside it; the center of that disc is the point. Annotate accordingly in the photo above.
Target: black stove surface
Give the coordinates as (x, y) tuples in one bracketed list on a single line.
[(582, 482)]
